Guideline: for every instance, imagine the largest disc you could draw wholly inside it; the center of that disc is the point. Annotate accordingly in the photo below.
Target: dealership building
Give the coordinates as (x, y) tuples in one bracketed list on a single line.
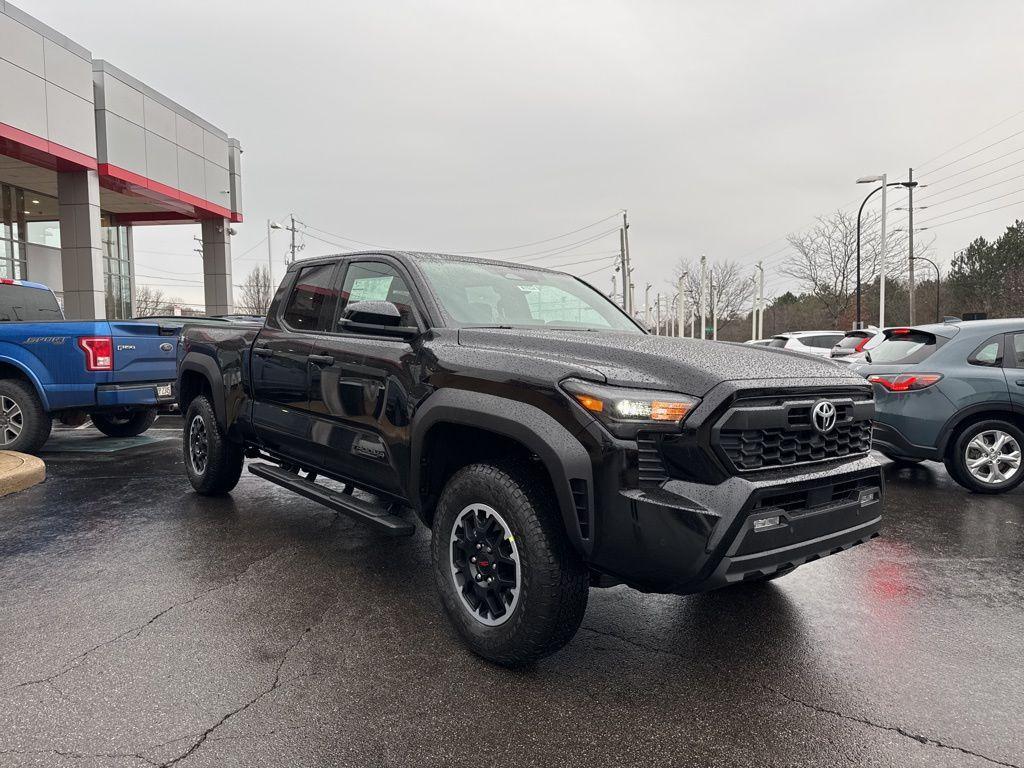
[(88, 153)]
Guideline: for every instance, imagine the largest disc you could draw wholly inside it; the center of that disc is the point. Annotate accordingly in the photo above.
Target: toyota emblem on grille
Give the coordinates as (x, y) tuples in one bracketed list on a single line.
[(823, 416)]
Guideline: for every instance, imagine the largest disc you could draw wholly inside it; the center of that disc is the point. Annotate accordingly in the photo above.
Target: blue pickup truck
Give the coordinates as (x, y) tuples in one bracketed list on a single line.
[(116, 372)]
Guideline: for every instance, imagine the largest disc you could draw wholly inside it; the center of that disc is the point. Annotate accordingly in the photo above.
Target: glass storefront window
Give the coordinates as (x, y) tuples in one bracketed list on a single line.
[(26, 218), (117, 270)]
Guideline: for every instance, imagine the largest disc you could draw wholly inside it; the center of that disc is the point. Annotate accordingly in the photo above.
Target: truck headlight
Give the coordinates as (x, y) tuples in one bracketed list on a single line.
[(625, 410)]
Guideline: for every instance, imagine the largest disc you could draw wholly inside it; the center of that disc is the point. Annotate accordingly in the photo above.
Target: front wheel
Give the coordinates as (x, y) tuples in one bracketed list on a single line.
[(986, 457), (213, 463), (507, 575), (124, 423)]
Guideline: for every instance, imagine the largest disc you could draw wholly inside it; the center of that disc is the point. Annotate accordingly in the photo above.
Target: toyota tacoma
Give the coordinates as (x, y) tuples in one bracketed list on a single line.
[(549, 443)]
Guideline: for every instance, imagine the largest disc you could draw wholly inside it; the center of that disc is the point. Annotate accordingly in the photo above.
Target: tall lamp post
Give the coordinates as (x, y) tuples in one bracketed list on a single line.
[(883, 186), (938, 287)]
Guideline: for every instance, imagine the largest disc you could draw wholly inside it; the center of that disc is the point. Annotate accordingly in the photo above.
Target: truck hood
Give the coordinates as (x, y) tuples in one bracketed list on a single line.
[(689, 366)]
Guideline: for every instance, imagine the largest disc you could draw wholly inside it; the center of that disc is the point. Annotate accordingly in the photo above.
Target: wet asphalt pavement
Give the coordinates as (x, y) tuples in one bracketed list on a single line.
[(141, 624)]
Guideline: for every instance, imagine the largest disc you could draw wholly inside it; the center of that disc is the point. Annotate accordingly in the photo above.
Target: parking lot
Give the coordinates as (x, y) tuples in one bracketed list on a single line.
[(145, 625)]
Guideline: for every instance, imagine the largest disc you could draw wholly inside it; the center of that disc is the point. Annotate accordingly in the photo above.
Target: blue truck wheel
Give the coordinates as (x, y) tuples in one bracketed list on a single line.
[(24, 424)]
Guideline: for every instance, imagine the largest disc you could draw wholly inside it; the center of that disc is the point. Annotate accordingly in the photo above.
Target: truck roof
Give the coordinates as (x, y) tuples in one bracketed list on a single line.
[(428, 256)]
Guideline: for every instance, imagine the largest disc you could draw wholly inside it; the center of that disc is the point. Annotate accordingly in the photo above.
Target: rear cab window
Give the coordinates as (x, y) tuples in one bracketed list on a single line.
[(904, 345), (19, 303)]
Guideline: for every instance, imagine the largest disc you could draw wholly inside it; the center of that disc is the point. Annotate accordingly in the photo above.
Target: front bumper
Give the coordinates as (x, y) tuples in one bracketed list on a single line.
[(150, 394), (684, 537)]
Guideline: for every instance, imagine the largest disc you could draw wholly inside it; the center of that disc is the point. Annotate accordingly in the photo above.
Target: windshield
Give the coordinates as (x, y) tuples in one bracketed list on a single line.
[(20, 303), (480, 294)]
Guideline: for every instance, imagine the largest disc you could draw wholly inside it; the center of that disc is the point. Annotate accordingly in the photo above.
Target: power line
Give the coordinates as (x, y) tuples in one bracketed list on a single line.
[(978, 213), (545, 240), (972, 205), (974, 167), (973, 191), (978, 151), (972, 138)]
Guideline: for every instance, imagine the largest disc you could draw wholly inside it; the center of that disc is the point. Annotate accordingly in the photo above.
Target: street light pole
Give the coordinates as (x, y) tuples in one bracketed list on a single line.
[(884, 185), (938, 288), (703, 295)]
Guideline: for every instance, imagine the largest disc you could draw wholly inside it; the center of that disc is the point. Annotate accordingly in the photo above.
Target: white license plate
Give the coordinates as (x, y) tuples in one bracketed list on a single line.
[(163, 390)]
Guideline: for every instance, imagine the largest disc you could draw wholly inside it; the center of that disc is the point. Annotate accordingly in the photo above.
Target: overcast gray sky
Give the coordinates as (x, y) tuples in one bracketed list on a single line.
[(471, 125)]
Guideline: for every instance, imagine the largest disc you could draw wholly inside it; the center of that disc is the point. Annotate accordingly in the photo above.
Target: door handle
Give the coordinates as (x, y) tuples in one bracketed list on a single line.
[(321, 360), (262, 351)]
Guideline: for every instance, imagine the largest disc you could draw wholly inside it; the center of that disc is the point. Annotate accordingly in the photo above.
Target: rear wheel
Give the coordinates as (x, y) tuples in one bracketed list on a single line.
[(24, 424), (986, 457), (124, 423), (508, 577), (213, 463)]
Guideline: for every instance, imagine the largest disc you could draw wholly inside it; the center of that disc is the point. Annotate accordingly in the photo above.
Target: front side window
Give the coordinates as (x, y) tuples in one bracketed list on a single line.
[(312, 299), (487, 295), (377, 281), (1018, 349)]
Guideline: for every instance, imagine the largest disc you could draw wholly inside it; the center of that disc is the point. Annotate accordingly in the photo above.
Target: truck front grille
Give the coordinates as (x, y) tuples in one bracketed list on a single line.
[(765, 432)]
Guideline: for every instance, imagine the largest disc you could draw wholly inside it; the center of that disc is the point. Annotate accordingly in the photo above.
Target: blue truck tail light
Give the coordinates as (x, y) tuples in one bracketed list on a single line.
[(99, 352)]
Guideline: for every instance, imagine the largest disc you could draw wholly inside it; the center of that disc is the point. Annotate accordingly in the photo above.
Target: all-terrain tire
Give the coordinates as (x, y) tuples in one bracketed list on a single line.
[(956, 460), (24, 423), (214, 470), (124, 424), (554, 581)]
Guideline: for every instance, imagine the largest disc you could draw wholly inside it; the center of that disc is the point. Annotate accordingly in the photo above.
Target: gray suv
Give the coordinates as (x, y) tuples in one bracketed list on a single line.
[(953, 393)]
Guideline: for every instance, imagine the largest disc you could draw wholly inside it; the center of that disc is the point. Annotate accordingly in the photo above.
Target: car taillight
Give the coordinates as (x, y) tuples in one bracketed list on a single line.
[(860, 346), (99, 352), (905, 382)]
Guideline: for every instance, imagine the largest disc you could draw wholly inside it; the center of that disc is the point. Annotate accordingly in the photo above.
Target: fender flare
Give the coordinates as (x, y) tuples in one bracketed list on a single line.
[(31, 376), (562, 455), (954, 422), (207, 367)]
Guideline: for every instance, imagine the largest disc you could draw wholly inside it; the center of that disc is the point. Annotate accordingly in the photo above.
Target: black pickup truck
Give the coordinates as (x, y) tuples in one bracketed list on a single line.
[(548, 441)]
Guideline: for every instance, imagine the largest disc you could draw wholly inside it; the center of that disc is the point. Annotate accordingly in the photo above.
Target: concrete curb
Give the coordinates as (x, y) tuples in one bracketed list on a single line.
[(19, 471)]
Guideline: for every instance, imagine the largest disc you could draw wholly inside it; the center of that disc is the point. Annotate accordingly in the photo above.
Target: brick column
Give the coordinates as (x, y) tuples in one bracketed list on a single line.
[(78, 196), (217, 267)]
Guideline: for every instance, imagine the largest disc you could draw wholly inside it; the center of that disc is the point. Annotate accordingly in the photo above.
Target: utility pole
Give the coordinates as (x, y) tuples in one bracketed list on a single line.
[(703, 295), (693, 322), (629, 263), (270, 256), (647, 306), (681, 307), (614, 291), (910, 240), (760, 301), (753, 316), (625, 272), (883, 263), (714, 310), (293, 237), (657, 315)]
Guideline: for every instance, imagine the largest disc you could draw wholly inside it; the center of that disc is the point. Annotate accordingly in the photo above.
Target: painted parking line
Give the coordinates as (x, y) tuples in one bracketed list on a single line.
[(73, 441)]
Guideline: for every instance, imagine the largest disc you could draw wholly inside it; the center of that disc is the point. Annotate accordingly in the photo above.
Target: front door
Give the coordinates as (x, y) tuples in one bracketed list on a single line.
[(364, 388), (280, 361)]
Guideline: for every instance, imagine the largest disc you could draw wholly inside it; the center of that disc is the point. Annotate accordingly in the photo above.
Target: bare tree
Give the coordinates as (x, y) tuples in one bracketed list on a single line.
[(733, 290), (256, 292), (825, 258), (151, 301)]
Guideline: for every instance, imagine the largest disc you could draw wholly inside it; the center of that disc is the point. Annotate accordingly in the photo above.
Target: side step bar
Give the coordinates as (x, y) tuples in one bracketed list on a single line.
[(376, 515)]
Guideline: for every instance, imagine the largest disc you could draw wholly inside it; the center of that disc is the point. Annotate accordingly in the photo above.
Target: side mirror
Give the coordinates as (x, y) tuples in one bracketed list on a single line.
[(380, 318)]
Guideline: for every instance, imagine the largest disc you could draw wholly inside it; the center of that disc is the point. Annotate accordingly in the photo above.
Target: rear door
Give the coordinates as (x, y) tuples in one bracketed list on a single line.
[(363, 387), (280, 361)]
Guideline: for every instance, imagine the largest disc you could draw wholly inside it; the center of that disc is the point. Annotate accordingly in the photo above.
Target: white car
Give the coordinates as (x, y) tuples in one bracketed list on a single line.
[(817, 343)]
